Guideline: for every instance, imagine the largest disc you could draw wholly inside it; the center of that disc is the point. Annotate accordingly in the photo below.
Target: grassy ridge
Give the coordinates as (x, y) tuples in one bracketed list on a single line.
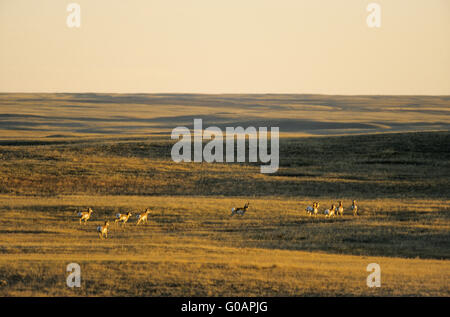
[(413, 165)]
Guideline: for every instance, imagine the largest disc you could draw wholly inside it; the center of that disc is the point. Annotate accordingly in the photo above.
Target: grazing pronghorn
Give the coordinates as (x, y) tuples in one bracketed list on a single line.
[(143, 216), (240, 210), (354, 208), (103, 230), (122, 217), (340, 209), (85, 215), (330, 212)]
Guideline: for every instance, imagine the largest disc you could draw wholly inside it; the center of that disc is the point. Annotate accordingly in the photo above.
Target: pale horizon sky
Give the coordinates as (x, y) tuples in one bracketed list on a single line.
[(226, 46)]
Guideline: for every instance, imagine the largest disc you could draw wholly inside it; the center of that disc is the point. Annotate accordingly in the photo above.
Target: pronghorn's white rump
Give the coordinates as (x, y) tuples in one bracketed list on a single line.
[(330, 212), (314, 209), (122, 217), (103, 230), (85, 215)]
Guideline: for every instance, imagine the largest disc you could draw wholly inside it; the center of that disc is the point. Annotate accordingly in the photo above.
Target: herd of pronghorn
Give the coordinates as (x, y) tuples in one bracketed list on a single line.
[(333, 210), (103, 230), (143, 217)]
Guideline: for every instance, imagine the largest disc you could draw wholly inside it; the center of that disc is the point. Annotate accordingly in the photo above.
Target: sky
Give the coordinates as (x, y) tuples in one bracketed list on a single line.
[(226, 46)]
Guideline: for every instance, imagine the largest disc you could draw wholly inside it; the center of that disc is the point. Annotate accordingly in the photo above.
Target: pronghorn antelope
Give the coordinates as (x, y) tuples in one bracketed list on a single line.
[(103, 230), (310, 209), (354, 208), (340, 209), (313, 210), (316, 209), (85, 215), (122, 217), (240, 210), (143, 216), (330, 212)]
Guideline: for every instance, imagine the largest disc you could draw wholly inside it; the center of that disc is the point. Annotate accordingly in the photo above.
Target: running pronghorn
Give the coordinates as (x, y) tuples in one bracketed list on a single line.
[(122, 217), (354, 208), (143, 216), (330, 212), (340, 210), (313, 210), (103, 230), (240, 210), (85, 215)]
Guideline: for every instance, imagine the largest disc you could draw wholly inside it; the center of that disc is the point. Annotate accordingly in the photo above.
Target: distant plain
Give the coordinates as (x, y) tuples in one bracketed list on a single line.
[(61, 153)]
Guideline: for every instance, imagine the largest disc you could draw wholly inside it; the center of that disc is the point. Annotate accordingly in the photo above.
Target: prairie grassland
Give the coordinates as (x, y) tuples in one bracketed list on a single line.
[(61, 153), (415, 165), (192, 246)]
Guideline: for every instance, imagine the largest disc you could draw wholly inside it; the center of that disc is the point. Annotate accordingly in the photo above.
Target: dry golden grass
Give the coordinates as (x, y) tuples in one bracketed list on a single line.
[(192, 247)]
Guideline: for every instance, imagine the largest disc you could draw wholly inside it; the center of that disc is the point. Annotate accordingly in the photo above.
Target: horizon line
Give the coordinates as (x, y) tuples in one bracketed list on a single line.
[(227, 93)]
